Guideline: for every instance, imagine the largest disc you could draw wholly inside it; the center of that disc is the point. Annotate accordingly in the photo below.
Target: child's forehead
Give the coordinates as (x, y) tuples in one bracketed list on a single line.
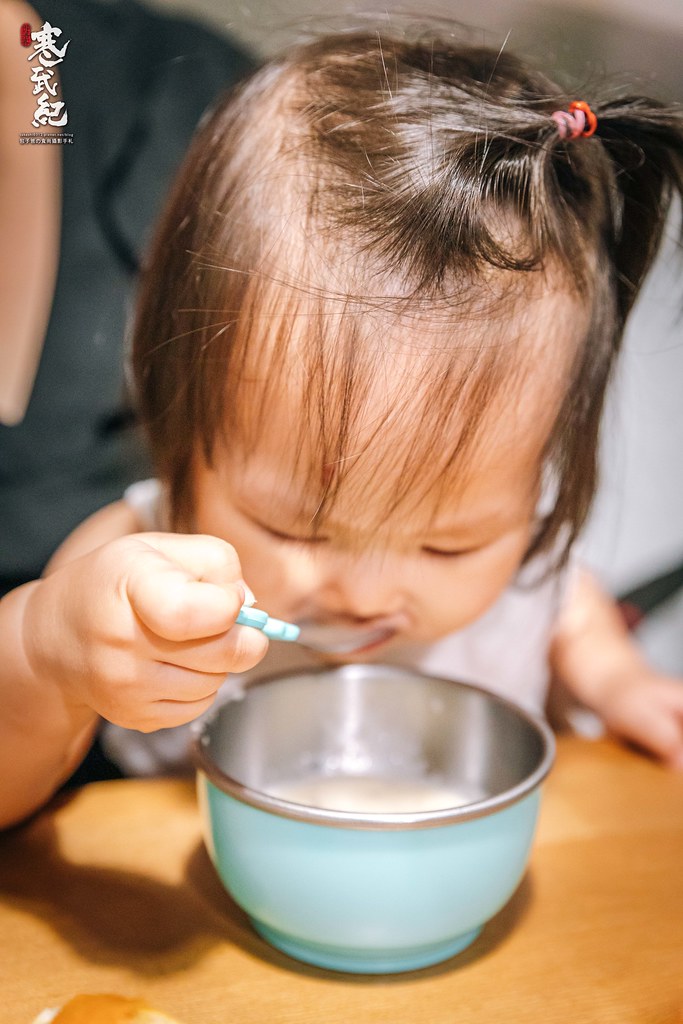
[(360, 362), (490, 491), (401, 414)]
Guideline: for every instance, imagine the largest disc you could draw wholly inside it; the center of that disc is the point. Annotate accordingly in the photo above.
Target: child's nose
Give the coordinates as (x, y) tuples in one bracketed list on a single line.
[(361, 587)]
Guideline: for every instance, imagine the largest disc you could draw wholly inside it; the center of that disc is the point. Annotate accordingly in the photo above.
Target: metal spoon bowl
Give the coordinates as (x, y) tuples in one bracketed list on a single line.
[(330, 639)]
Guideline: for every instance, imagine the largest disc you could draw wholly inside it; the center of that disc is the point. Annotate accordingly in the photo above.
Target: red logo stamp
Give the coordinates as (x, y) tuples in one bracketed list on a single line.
[(25, 34)]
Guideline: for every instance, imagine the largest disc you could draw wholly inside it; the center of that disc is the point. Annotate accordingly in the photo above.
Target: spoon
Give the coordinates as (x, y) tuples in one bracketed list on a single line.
[(328, 639), (324, 639)]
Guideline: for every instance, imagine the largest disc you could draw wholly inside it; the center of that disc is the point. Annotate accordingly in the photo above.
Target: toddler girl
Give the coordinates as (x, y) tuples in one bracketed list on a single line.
[(371, 349)]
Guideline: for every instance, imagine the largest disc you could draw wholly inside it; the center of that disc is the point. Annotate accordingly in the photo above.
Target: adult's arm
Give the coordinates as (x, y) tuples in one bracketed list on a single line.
[(30, 206)]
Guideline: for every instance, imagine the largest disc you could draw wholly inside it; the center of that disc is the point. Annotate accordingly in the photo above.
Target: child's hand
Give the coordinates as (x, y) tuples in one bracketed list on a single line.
[(595, 657), (142, 629), (647, 709)]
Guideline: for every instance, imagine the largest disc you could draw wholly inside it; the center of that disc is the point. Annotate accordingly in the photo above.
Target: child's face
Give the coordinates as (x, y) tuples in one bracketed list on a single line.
[(421, 573)]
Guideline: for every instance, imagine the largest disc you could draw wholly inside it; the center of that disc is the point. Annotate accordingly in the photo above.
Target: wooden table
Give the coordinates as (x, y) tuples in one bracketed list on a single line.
[(110, 890)]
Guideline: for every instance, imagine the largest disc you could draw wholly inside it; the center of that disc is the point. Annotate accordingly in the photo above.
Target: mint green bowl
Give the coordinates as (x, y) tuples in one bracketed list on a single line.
[(368, 891)]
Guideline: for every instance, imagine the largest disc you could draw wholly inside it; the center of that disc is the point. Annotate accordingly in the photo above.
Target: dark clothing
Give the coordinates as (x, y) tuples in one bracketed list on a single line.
[(135, 83)]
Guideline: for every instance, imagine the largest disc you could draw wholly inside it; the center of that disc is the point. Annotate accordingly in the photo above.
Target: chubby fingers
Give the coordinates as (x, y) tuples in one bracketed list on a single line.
[(658, 731), (185, 587), (145, 694), (671, 747), (237, 650), (165, 696), (652, 716)]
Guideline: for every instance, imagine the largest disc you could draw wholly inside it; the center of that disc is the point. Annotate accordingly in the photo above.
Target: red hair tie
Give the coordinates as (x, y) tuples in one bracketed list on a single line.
[(579, 120)]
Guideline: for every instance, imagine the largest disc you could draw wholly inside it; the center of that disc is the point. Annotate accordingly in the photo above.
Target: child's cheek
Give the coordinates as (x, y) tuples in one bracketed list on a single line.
[(280, 574), (458, 592)]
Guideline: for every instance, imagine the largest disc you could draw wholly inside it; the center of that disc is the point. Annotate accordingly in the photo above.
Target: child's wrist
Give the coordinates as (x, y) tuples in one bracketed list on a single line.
[(16, 624), (34, 674)]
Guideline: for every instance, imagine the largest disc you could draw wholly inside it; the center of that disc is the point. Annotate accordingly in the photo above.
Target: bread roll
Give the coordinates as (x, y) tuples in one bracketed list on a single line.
[(104, 1009)]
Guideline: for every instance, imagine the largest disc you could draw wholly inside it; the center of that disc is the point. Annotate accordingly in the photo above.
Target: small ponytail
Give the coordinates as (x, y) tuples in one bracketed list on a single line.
[(643, 140)]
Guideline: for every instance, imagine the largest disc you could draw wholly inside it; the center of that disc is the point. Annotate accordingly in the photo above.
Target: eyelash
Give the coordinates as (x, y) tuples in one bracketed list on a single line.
[(289, 538), (435, 553)]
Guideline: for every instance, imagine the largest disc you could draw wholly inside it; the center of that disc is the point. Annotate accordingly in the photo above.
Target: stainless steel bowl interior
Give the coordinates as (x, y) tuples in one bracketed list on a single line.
[(378, 720)]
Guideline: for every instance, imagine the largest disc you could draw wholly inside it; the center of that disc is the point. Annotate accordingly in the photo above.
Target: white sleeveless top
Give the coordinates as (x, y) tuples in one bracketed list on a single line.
[(505, 651)]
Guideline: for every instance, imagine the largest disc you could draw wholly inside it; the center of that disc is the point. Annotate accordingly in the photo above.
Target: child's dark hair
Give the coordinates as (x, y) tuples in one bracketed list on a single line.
[(430, 179)]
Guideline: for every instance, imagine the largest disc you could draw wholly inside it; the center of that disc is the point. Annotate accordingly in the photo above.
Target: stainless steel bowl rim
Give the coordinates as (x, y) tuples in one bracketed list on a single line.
[(373, 821)]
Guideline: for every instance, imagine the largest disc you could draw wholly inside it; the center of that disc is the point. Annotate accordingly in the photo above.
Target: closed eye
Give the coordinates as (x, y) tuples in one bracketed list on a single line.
[(290, 537), (455, 553)]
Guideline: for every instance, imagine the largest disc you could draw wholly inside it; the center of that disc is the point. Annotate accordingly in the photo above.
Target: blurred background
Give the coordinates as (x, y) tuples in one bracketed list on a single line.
[(636, 530), (578, 38)]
